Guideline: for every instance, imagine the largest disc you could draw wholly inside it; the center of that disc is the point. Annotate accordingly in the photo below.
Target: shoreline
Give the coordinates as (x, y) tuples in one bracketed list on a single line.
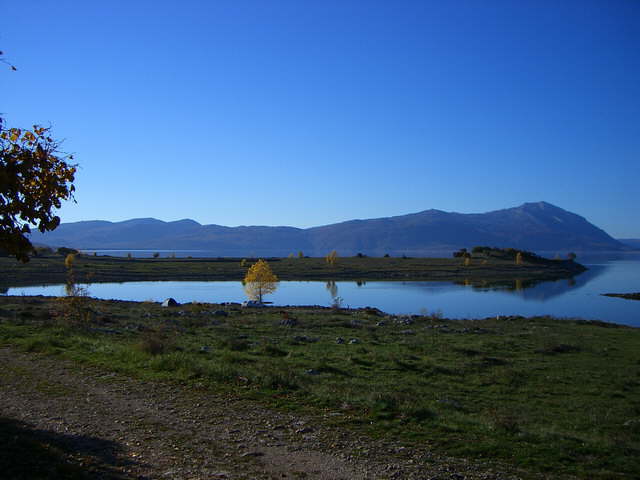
[(95, 269), (269, 308), (626, 296)]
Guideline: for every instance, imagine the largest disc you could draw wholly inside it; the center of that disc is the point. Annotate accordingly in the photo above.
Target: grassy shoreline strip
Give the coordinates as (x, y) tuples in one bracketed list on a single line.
[(51, 270)]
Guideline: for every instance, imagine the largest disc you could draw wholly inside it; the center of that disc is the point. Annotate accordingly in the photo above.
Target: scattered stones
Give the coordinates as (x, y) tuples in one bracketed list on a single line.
[(381, 323), (312, 371), (252, 304), (407, 332), (288, 322), (405, 320), (252, 454), (339, 340), (108, 331), (560, 348), (136, 327), (304, 339), (354, 341), (450, 402), (508, 318), (205, 349), (170, 302), (633, 424)]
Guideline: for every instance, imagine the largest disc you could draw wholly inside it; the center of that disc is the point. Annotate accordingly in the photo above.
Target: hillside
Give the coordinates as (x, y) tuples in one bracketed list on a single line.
[(531, 226), (631, 242)]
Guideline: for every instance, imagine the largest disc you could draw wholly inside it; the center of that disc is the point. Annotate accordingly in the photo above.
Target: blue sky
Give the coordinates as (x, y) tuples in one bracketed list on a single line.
[(306, 113)]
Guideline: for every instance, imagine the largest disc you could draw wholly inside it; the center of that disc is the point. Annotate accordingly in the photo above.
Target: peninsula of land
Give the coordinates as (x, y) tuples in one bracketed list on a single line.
[(628, 296), (472, 268)]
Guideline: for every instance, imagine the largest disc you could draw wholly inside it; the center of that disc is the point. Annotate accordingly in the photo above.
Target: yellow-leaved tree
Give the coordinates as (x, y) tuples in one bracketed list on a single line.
[(331, 258), (519, 258), (259, 281)]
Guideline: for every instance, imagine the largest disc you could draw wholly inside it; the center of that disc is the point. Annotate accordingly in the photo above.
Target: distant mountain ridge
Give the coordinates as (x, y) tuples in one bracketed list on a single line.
[(631, 242), (532, 226)]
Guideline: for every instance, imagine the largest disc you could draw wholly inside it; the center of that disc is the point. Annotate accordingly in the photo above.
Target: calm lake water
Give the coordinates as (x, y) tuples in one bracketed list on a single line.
[(579, 297)]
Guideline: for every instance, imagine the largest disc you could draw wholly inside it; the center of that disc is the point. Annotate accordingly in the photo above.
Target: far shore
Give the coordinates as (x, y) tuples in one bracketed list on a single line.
[(628, 296), (97, 269)]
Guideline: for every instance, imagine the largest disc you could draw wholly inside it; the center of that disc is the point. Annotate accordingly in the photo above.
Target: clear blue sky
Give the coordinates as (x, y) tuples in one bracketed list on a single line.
[(305, 113)]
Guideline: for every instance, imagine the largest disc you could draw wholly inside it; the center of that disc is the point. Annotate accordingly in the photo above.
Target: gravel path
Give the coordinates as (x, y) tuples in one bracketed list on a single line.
[(120, 428)]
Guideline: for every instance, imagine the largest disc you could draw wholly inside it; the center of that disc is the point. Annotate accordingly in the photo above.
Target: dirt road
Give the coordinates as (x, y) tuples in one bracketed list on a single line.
[(114, 427)]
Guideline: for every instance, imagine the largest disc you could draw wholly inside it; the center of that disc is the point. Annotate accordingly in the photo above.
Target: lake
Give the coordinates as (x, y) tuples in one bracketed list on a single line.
[(579, 297)]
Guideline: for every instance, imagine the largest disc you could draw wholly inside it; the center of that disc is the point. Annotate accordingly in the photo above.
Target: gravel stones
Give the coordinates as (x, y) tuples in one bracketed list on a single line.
[(169, 302)]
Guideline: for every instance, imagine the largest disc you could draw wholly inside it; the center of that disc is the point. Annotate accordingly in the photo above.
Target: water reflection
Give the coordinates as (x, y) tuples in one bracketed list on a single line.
[(332, 288), (530, 289), (579, 296)]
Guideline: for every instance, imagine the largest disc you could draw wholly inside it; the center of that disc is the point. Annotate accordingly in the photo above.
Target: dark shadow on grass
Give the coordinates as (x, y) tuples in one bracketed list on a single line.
[(33, 454)]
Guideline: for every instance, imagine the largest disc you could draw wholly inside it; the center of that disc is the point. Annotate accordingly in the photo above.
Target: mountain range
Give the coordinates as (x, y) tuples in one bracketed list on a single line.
[(631, 242), (532, 226)]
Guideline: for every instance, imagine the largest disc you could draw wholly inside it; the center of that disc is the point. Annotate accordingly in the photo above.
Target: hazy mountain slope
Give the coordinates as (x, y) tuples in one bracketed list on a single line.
[(532, 226), (631, 242)]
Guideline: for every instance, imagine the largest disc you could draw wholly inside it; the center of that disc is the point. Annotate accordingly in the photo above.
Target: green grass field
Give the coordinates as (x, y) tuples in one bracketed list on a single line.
[(548, 395)]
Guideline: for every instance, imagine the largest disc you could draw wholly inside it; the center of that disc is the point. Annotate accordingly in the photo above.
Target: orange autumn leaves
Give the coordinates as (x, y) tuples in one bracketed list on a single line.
[(35, 177)]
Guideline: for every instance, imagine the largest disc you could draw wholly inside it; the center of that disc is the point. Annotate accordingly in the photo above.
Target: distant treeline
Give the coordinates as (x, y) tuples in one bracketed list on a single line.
[(502, 253)]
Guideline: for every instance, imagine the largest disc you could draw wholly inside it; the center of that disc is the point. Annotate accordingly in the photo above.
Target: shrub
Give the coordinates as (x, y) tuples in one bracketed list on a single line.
[(40, 251), (156, 342), (459, 254), (68, 261)]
